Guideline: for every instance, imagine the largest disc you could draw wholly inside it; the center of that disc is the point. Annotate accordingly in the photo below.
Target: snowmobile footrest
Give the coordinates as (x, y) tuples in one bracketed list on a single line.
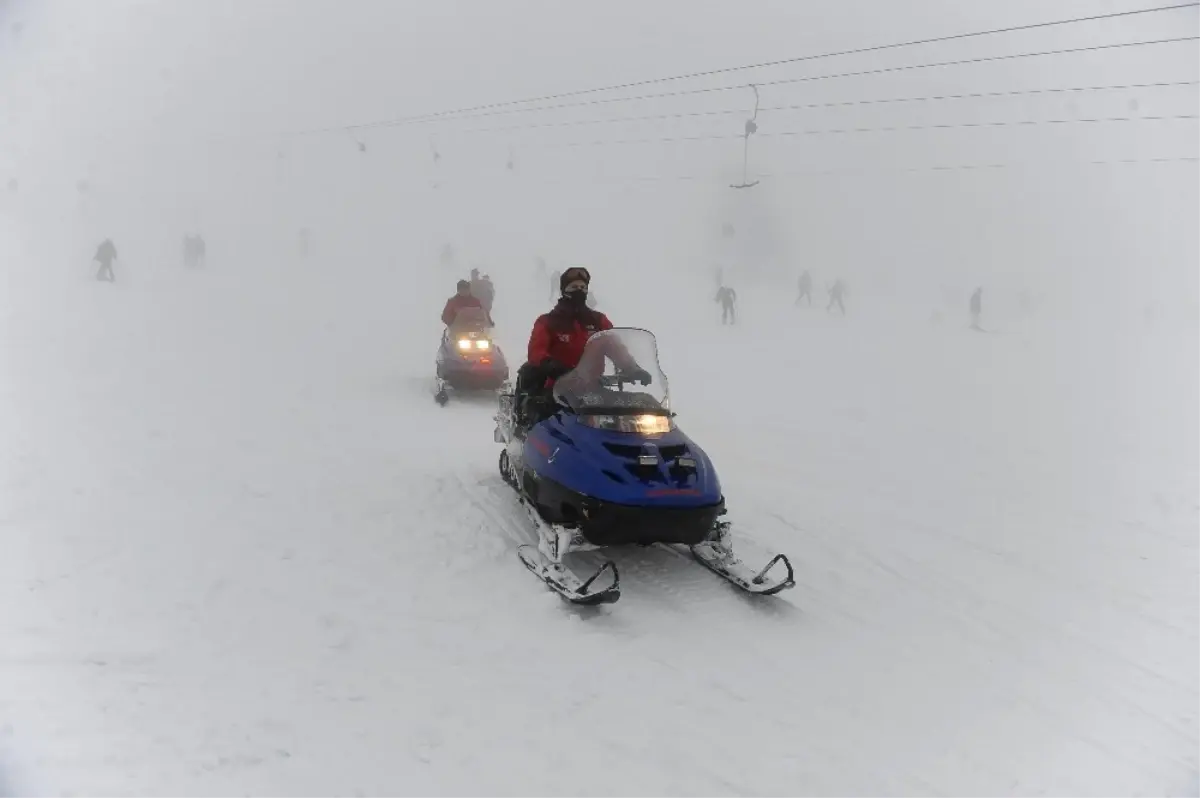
[(565, 583)]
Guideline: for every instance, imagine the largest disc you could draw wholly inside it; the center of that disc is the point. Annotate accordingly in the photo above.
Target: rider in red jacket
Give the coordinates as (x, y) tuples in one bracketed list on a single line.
[(461, 299), (559, 337)]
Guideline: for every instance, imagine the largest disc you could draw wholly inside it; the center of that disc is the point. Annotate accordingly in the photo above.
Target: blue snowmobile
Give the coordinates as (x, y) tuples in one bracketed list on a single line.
[(604, 464)]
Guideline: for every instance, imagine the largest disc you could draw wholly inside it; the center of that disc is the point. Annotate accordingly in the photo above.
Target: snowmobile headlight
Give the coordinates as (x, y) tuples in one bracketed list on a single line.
[(482, 344), (464, 343), (653, 425), (648, 424)]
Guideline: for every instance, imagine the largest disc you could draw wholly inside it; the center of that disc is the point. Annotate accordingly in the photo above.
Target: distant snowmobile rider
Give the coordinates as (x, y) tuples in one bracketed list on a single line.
[(461, 299)]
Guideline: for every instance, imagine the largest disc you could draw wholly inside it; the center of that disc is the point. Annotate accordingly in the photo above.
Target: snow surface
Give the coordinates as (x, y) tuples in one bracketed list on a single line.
[(243, 551)]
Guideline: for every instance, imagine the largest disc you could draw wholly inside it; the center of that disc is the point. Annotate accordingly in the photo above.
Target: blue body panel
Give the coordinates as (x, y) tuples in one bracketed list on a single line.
[(602, 464)]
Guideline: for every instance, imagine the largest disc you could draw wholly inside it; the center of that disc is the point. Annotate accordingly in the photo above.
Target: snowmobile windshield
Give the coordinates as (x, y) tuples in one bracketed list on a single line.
[(607, 381)]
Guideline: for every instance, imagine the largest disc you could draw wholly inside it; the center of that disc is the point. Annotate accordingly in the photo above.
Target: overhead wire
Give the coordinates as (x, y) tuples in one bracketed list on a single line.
[(880, 129), (870, 170), (742, 87), (761, 65), (537, 104), (832, 104)]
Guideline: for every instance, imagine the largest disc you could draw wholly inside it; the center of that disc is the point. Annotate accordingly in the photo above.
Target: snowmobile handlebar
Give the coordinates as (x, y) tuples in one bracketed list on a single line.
[(618, 380)]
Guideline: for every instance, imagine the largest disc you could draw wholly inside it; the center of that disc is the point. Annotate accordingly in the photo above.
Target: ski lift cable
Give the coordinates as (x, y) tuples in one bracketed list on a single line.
[(783, 81), (782, 62), (882, 129), (969, 167), (833, 104), (1191, 160), (984, 59), (838, 131)]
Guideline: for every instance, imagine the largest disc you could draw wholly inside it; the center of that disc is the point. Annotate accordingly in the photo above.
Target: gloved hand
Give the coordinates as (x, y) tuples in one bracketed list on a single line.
[(639, 375), (552, 368)]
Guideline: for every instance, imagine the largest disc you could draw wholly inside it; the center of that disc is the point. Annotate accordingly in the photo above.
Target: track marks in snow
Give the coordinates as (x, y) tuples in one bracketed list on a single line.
[(308, 584)]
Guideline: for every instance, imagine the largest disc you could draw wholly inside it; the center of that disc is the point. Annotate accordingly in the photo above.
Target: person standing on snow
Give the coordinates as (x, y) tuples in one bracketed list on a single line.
[(193, 251), (728, 299), (976, 307), (558, 339), (555, 282), (462, 299), (836, 293), (106, 253), (805, 285)]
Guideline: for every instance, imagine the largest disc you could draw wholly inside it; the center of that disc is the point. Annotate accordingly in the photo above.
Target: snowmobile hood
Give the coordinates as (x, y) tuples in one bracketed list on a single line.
[(667, 470)]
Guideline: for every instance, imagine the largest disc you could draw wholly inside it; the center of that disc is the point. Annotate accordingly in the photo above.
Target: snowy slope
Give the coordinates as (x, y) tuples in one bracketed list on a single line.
[(244, 552)]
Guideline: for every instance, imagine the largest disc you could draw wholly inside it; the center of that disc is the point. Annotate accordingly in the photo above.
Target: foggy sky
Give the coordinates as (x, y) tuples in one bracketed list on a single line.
[(174, 112)]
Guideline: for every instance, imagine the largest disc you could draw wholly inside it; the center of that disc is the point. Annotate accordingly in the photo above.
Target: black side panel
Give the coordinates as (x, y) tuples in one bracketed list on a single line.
[(463, 380), (608, 524)]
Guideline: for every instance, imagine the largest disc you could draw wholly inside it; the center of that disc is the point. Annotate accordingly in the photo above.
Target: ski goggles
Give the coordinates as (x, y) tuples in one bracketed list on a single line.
[(576, 273)]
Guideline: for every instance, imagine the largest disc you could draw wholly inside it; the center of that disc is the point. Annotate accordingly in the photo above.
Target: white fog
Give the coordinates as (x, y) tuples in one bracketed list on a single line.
[(243, 550)]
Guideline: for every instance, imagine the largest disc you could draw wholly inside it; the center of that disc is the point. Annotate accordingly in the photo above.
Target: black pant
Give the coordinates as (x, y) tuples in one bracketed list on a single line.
[(531, 399)]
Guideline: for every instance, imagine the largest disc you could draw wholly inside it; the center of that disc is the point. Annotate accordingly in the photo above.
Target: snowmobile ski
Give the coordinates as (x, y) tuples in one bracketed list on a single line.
[(723, 562), (566, 583)]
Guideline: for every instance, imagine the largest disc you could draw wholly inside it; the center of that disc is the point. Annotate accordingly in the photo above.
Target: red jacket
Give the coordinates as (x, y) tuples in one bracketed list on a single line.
[(562, 337), (456, 303)]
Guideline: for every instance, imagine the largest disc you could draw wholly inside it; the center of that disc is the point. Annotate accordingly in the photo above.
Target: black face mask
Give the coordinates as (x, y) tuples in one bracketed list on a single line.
[(576, 299)]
